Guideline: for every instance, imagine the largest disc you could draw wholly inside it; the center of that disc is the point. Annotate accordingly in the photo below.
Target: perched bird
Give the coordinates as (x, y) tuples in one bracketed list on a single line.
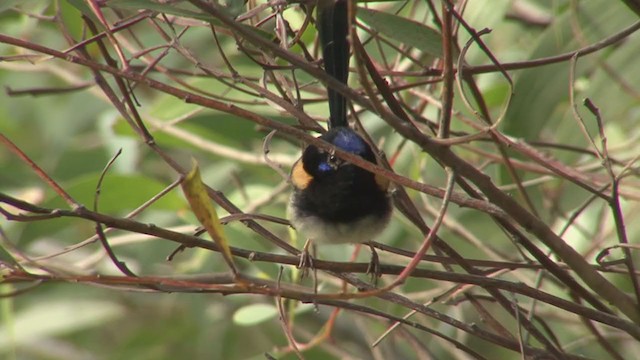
[(333, 200)]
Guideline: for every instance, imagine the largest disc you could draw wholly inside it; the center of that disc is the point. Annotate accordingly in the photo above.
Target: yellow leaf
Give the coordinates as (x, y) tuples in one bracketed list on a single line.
[(206, 214)]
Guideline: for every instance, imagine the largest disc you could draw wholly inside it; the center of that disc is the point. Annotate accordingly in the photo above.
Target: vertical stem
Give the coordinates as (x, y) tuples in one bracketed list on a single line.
[(447, 72)]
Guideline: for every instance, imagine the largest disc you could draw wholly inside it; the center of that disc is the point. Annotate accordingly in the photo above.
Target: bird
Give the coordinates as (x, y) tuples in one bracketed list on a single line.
[(334, 201)]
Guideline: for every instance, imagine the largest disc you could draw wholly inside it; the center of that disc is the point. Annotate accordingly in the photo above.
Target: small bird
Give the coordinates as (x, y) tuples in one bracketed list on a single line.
[(333, 200)]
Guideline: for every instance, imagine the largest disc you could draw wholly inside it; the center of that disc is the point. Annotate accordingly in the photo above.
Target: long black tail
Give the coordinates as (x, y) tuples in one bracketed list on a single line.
[(333, 26)]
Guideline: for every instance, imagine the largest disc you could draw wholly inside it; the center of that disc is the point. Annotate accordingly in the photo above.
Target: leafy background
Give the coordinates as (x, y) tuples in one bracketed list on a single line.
[(73, 134)]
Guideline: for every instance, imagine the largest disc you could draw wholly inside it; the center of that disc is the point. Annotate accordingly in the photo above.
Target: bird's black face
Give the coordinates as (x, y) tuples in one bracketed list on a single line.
[(321, 164), (336, 190)]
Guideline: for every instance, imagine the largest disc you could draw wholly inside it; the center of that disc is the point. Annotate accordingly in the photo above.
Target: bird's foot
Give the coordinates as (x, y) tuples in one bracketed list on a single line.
[(374, 266)]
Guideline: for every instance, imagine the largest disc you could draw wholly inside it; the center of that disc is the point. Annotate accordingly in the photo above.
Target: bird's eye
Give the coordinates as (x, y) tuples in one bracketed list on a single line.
[(334, 161)]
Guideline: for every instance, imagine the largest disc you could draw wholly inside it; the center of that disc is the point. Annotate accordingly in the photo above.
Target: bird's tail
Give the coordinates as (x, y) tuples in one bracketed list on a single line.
[(333, 27)]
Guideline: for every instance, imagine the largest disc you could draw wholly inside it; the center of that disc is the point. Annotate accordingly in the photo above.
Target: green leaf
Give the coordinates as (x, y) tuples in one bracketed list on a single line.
[(72, 19), (254, 314), (120, 194), (57, 317), (172, 9), (539, 91), (84, 9), (8, 4), (123, 193), (541, 94), (404, 30), (633, 5)]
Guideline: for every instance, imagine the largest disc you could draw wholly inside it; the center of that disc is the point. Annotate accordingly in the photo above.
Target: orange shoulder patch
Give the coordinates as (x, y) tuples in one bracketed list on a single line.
[(382, 182), (299, 176)]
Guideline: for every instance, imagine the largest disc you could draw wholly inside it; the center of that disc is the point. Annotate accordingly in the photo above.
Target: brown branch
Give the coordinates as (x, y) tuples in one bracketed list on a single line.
[(335, 267), (41, 173)]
